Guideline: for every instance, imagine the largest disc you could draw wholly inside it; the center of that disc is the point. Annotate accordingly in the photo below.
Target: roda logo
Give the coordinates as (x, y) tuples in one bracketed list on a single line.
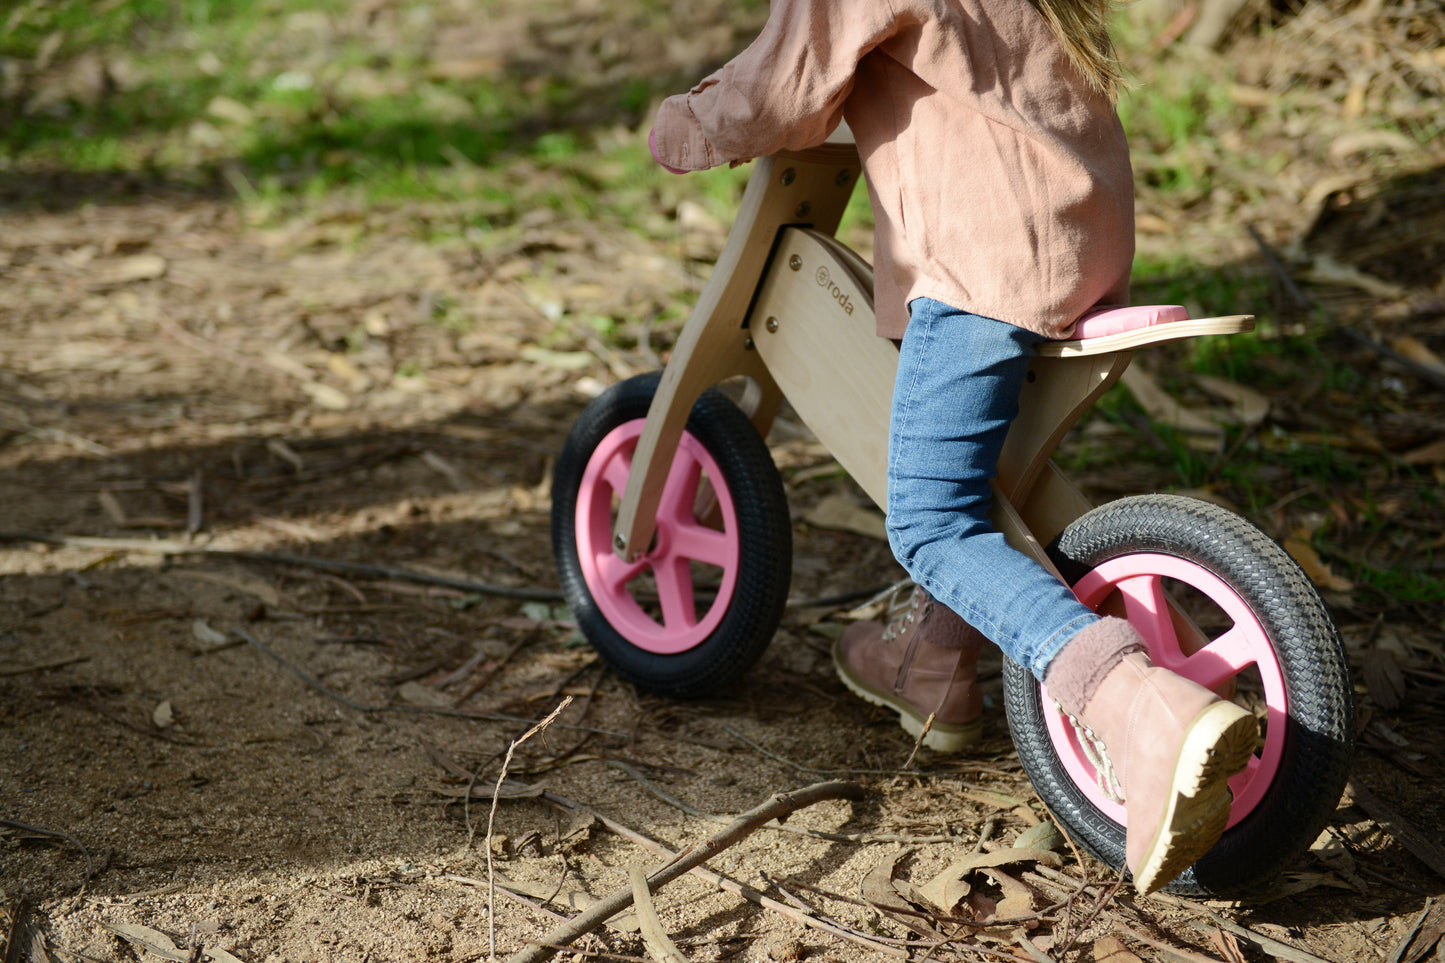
[(825, 280)]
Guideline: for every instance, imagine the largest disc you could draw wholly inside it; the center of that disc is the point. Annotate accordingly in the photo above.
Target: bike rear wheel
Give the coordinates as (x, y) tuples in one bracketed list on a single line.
[(1254, 630)]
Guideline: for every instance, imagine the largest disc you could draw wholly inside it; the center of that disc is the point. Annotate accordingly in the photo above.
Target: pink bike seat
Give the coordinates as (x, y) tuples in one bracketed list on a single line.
[(1097, 324)]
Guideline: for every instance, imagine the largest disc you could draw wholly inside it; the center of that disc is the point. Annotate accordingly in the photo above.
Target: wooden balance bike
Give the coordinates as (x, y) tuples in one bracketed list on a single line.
[(672, 537)]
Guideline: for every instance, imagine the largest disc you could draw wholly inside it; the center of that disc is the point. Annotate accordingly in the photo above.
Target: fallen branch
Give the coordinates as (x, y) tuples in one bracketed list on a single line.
[(1273, 947), (778, 806), (159, 547), (364, 569), (6, 671), (884, 945), (683, 807)]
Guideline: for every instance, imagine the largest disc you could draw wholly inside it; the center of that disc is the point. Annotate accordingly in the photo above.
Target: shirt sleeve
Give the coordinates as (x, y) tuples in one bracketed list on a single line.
[(785, 91)]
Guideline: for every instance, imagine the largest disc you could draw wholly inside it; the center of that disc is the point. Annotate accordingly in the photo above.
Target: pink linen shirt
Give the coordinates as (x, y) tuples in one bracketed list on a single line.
[(1000, 180)]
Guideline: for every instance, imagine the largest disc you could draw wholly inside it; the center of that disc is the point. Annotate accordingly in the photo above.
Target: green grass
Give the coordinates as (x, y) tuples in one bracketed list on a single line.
[(219, 93)]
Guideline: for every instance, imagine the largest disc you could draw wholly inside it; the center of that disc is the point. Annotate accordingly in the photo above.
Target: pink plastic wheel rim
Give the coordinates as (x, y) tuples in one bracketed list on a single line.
[(1139, 580), (681, 540)]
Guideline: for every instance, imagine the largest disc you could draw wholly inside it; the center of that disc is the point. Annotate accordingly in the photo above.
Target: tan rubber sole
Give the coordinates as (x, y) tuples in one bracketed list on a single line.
[(941, 737), (1217, 745)]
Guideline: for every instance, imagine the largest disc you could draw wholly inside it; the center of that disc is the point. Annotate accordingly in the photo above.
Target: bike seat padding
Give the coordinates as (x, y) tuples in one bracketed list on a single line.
[(1099, 324)]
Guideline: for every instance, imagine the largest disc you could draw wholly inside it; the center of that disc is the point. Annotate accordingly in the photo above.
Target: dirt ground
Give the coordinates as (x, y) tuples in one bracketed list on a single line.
[(211, 755)]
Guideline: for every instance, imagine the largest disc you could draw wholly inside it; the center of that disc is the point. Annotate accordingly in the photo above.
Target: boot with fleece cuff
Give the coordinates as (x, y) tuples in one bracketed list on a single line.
[(1164, 746)]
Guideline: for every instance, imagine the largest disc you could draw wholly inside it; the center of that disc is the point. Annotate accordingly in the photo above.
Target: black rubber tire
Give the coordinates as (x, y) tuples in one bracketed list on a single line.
[(1320, 729), (763, 524)]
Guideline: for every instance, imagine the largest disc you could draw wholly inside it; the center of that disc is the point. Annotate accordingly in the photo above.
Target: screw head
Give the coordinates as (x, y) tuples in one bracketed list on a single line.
[(789, 176), (772, 325), (843, 178), (620, 544), (803, 210), (795, 262)]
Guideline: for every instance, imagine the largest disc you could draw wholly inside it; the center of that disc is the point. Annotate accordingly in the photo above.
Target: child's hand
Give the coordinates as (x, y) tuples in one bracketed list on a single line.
[(652, 147)]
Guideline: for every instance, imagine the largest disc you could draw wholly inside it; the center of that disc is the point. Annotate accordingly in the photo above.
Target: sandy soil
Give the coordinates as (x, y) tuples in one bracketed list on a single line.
[(268, 760)]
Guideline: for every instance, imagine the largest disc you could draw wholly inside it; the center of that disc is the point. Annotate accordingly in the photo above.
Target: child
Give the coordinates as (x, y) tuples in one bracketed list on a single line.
[(1003, 197)]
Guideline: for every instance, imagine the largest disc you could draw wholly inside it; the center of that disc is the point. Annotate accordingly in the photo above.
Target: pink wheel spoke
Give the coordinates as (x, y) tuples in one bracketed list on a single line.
[(1241, 779), (1222, 659), (616, 573), (680, 491), (1147, 609), (675, 593), (614, 474), (701, 544)]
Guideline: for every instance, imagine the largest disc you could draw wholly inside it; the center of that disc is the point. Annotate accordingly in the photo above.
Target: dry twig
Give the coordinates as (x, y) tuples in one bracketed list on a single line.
[(491, 819), (57, 834)]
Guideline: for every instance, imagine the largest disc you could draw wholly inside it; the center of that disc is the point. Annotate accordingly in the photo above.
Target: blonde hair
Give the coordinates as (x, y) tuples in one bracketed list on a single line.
[(1083, 28)]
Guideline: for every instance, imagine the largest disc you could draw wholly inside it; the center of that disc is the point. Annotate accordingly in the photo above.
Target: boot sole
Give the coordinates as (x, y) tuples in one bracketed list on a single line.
[(1217, 746), (941, 736)]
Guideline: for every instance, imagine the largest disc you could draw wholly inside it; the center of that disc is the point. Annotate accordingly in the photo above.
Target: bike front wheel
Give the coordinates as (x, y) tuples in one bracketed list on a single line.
[(1246, 623), (693, 613)]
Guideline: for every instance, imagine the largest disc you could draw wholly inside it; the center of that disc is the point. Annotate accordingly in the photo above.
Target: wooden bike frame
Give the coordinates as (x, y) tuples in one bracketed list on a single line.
[(790, 308)]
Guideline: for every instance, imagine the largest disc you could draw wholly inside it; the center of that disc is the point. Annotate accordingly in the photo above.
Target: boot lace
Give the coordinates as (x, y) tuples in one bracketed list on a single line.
[(900, 621), (1098, 756)]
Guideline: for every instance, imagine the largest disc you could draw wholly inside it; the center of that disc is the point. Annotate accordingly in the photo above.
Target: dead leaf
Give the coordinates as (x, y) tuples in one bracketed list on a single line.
[(1248, 406), (419, 694), (152, 941), (112, 507), (944, 890), (209, 638), (996, 799), (1018, 899), (1111, 949), (241, 583), (1227, 945), (1328, 849), (840, 513), (1424, 937), (1432, 453), (562, 360), (1045, 835), (1384, 678), (1326, 270), (881, 891), (332, 399), (1161, 407), (22, 933), (137, 267), (163, 716), (1417, 351), (231, 111), (1315, 567), (1293, 884)]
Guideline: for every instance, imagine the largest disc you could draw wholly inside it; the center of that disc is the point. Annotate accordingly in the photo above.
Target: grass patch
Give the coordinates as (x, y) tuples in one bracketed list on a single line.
[(287, 107)]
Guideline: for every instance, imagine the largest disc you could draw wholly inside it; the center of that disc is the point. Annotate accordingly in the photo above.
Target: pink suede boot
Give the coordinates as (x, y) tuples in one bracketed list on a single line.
[(923, 663), (1164, 746)]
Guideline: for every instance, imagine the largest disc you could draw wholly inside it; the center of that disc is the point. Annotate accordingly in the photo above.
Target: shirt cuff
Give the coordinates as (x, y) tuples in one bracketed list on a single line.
[(676, 139)]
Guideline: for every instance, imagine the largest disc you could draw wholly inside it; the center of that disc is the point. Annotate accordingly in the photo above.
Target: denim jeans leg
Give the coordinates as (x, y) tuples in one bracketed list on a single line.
[(959, 377)]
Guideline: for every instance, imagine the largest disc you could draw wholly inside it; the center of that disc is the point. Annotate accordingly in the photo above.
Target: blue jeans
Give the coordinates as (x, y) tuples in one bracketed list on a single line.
[(959, 377)]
